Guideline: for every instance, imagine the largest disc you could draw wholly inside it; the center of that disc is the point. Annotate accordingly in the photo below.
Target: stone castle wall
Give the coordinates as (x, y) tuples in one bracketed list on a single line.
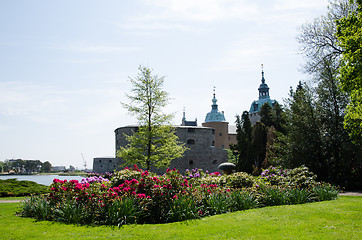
[(201, 154)]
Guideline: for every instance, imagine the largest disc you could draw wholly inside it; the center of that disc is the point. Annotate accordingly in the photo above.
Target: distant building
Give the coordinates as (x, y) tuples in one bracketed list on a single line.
[(188, 123), (58, 168), (264, 97), (224, 134)]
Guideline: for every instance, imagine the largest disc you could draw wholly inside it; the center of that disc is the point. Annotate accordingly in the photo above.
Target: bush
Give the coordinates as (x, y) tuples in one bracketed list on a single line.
[(136, 196), (239, 180), (13, 187), (298, 177)]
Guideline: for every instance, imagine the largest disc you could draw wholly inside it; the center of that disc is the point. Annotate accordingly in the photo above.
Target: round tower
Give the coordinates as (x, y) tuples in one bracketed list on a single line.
[(216, 120)]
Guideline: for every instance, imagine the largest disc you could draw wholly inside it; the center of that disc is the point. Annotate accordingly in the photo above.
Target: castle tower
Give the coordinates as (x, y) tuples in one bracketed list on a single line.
[(263, 98), (188, 123), (216, 120)]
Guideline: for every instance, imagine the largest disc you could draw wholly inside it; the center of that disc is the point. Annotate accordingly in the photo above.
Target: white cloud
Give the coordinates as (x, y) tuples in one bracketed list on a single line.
[(183, 14), (203, 10)]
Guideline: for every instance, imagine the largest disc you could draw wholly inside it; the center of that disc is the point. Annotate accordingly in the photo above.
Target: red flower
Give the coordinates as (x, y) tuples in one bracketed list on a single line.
[(141, 195)]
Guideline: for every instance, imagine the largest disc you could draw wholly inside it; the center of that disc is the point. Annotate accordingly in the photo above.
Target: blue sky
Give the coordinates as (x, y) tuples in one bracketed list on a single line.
[(64, 65)]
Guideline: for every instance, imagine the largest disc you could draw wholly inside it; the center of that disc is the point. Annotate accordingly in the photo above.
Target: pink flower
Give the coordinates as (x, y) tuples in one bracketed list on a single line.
[(141, 195)]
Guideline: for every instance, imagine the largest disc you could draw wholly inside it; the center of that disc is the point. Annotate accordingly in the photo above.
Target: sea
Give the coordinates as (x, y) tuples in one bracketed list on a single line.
[(41, 179)]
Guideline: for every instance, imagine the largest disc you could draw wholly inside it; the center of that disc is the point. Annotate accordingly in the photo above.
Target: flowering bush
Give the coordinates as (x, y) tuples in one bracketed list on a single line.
[(298, 177), (137, 196)]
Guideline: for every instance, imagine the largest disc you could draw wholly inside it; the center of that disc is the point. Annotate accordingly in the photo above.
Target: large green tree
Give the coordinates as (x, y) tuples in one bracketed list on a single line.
[(303, 143), (155, 143), (350, 39), (316, 110), (243, 147)]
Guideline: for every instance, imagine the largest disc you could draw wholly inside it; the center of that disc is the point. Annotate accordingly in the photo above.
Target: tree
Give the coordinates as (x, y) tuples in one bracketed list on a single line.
[(155, 143), (272, 116), (350, 39), (244, 138), (266, 115), (303, 143), (318, 110), (318, 39), (46, 167), (258, 145)]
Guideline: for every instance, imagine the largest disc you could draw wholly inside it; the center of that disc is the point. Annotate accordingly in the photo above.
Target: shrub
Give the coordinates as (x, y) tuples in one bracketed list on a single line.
[(324, 192), (122, 211), (239, 180), (37, 207), (182, 207), (299, 177), (137, 196), (272, 196), (12, 187), (242, 200)]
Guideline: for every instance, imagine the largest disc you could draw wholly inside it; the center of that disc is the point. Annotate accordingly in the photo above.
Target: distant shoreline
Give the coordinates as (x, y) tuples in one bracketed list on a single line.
[(84, 174)]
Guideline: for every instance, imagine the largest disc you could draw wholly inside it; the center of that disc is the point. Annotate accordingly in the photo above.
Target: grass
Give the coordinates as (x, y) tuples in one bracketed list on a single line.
[(12, 198), (338, 219)]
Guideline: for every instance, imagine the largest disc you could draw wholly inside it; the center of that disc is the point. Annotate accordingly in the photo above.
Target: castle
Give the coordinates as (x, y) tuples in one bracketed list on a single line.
[(206, 144)]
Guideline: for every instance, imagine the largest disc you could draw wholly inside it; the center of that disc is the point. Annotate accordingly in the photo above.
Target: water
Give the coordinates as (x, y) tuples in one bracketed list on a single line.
[(41, 179)]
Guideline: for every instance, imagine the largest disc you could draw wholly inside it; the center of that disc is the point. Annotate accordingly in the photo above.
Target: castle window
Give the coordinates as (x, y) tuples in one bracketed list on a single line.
[(191, 130), (191, 162), (190, 141), (220, 134), (213, 131), (100, 160), (101, 166), (214, 162), (222, 146), (110, 160)]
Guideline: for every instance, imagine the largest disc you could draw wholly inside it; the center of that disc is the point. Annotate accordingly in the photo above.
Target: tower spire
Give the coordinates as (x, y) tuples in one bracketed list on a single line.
[(214, 115)]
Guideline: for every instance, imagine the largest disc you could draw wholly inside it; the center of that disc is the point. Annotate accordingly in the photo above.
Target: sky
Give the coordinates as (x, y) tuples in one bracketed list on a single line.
[(65, 65)]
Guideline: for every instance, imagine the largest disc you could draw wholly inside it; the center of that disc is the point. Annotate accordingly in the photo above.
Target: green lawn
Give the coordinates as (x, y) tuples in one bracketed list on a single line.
[(338, 219)]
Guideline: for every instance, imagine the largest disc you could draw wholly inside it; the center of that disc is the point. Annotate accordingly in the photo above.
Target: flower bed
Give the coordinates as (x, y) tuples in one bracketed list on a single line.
[(137, 196)]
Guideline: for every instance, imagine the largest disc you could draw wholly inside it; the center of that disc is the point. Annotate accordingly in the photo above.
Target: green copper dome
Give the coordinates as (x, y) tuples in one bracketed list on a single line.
[(263, 96), (215, 115)]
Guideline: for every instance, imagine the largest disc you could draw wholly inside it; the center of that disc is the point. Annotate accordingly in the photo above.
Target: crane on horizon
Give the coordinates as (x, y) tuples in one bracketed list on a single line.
[(85, 163)]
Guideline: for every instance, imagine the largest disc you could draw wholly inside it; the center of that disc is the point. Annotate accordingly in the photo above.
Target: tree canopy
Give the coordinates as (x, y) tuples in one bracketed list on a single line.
[(155, 143), (350, 39)]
